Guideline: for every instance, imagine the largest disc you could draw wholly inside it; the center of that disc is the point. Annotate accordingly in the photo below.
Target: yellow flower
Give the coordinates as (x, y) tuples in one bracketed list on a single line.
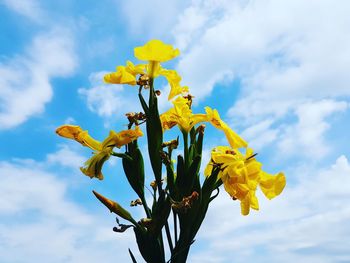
[(181, 115), (76, 133), (242, 174), (233, 138), (155, 51), (102, 151)]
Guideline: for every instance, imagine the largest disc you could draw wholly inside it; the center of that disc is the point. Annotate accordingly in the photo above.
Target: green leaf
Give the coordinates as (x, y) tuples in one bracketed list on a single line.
[(149, 247)]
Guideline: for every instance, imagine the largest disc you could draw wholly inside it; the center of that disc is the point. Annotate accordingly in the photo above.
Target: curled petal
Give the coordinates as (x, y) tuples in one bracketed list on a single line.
[(271, 185), (76, 133), (174, 81), (233, 138)]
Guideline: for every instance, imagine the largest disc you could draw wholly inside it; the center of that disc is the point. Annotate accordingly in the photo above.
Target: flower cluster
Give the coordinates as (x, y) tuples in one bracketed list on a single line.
[(241, 174), (182, 192)]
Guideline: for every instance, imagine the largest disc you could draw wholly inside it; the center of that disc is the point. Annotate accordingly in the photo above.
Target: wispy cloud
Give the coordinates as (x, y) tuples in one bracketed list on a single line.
[(28, 8), (39, 222), (283, 54), (25, 79), (110, 101)]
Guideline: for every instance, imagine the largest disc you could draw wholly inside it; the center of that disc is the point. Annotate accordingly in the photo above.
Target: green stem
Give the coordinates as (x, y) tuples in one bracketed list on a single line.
[(175, 226), (167, 231), (186, 152)]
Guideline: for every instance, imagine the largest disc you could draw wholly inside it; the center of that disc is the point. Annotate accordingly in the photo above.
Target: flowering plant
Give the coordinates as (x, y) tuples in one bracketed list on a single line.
[(182, 193)]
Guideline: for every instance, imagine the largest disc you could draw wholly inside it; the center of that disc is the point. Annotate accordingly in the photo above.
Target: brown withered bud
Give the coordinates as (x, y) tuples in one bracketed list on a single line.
[(185, 204), (200, 129), (135, 117), (173, 143), (157, 92), (143, 81), (153, 184), (189, 97), (136, 202)]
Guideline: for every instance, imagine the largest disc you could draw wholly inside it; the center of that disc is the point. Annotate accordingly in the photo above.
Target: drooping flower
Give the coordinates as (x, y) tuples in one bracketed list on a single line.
[(242, 174), (233, 138), (76, 133), (93, 166), (102, 151)]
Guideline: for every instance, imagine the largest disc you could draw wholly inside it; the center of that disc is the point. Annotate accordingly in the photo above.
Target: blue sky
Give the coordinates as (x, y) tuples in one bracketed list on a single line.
[(277, 71)]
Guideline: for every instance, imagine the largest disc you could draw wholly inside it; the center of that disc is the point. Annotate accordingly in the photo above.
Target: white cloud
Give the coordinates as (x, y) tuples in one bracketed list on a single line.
[(25, 80), (306, 136), (284, 54), (308, 222), (39, 223), (104, 99), (110, 101), (152, 19), (67, 157), (28, 8)]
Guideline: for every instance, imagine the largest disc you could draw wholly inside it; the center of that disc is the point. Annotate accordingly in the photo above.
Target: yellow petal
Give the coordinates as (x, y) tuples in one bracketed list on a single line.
[(121, 138), (254, 203), (121, 76), (208, 169), (271, 185), (245, 206), (174, 81), (135, 70), (156, 50), (93, 166), (233, 138), (76, 133)]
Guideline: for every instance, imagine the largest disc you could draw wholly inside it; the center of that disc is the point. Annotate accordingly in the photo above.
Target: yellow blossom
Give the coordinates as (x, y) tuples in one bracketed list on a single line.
[(181, 115), (233, 138), (156, 50), (76, 133), (242, 174)]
